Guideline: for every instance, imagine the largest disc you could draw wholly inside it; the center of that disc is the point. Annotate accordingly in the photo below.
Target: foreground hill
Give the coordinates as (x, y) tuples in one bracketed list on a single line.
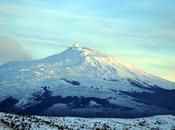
[(12, 121), (82, 82)]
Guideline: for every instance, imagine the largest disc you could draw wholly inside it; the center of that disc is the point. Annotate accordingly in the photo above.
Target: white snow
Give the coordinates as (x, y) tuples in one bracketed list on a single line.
[(97, 74)]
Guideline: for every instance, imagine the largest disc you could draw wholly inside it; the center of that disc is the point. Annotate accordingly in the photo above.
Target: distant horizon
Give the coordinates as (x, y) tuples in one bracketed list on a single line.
[(141, 33)]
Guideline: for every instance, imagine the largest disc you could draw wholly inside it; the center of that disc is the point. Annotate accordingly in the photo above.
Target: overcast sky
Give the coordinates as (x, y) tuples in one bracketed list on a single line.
[(141, 32)]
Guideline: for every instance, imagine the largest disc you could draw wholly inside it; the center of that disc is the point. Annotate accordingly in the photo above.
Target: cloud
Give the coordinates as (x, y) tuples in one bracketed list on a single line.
[(11, 50)]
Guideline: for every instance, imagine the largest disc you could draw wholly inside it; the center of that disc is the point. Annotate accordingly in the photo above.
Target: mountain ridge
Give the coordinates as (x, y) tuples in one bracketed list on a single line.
[(85, 54)]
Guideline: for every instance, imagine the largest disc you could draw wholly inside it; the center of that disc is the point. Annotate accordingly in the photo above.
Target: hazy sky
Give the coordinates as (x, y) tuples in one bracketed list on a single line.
[(141, 32)]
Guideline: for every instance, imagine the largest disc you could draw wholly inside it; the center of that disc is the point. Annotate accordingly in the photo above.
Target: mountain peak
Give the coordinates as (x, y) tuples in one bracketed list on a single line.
[(73, 55), (83, 51), (76, 45)]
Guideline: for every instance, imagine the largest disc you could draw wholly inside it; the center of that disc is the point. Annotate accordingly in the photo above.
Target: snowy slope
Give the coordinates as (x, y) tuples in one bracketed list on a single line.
[(10, 121), (81, 79)]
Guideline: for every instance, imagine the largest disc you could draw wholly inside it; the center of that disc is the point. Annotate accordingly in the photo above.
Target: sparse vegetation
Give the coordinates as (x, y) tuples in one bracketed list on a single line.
[(28, 122)]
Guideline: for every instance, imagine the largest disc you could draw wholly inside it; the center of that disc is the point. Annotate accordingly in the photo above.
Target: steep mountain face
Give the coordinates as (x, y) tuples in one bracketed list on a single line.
[(83, 82)]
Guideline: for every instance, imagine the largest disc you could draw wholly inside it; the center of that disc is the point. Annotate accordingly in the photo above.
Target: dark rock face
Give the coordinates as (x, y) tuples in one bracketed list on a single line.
[(83, 106), (159, 97), (7, 105), (75, 105), (73, 82)]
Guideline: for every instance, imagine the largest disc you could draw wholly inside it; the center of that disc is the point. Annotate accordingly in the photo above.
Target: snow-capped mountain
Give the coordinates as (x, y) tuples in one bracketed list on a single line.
[(82, 82)]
